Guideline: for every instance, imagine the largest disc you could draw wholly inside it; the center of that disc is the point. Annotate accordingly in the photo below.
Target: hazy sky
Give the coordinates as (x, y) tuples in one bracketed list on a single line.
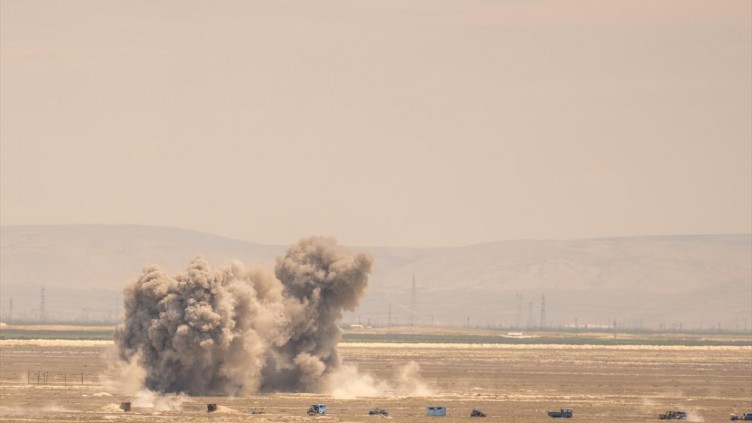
[(400, 123)]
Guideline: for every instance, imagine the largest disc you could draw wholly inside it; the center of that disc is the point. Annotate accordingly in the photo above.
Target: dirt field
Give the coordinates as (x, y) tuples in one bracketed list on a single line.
[(511, 383)]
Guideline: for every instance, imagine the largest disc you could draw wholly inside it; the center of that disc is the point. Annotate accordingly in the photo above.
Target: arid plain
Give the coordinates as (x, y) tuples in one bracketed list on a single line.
[(514, 383)]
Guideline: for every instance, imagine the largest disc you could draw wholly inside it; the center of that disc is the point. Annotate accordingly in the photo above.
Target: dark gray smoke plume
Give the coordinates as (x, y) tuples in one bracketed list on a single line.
[(234, 330)]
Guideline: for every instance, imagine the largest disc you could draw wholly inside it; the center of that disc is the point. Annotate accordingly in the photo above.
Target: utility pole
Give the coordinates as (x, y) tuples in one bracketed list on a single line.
[(519, 311), (10, 312), (389, 322)]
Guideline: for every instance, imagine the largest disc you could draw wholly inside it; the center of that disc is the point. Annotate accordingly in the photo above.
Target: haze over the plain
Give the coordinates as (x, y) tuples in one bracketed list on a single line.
[(694, 282), (424, 123)]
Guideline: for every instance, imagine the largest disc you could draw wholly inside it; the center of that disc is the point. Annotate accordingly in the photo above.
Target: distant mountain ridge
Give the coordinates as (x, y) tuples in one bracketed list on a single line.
[(694, 281)]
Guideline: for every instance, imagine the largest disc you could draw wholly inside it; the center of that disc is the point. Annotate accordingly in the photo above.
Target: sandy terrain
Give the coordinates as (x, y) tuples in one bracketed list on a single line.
[(84, 328), (511, 383)]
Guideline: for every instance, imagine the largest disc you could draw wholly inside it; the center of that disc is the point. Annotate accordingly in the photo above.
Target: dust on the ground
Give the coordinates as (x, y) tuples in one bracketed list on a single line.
[(43, 381)]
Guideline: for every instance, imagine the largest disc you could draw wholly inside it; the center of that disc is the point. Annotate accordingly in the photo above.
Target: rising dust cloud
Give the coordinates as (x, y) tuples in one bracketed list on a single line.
[(235, 330)]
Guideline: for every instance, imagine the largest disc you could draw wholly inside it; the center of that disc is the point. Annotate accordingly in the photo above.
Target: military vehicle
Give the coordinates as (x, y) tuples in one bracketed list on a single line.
[(378, 411), (477, 413), (564, 412), (745, 416), (316, 409), (673, 415), (436, 410)]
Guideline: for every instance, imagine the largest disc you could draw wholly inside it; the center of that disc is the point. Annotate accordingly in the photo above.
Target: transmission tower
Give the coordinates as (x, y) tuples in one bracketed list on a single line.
[(412, 304), (543, 312), (42, 313)]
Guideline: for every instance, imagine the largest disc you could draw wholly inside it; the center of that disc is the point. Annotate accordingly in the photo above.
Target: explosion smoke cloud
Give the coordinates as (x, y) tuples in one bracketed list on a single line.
[(233, 330)]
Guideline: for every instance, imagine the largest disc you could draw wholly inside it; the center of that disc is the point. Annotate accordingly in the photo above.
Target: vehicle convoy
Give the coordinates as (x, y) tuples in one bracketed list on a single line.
[(673, 415), (745, 416), (316, 409), (564, 412)]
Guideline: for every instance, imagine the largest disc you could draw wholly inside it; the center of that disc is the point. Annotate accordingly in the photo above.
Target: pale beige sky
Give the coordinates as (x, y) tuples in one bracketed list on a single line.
[(400, 123)]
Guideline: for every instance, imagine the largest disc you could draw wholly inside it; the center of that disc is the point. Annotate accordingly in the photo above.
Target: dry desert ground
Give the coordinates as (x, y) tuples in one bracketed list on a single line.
[(49, 380)]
